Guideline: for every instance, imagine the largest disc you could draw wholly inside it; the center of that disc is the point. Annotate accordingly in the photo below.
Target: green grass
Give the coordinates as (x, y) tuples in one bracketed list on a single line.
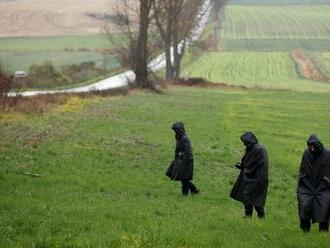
[(54, 43), (253, 69), (323, 62), (102, 163), (277, 22), (256, 41), (20, 53), (14, 61), (273, 45)]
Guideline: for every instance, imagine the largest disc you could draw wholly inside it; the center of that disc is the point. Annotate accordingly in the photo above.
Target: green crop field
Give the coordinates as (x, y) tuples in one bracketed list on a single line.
[(252, 69), (323, 62), (275, 28), (54, 43), (277, 22), (19, 53), (256, 42), (273, 45), (102, 164), (15, 61)]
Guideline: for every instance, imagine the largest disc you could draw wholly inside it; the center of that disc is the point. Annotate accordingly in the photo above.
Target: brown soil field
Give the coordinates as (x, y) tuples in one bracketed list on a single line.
[(52, 17)]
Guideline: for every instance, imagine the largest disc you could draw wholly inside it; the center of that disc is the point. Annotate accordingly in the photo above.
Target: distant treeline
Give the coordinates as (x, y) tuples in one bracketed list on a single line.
[(278, 2)]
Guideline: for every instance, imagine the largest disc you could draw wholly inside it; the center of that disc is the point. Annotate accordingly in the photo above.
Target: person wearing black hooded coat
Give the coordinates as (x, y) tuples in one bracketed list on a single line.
[(182, 167), (313, 191), (252, 183)]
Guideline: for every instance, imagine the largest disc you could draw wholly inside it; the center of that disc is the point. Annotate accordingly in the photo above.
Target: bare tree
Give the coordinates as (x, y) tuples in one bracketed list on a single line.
[(6, 82), (175, 19), (133, 21)]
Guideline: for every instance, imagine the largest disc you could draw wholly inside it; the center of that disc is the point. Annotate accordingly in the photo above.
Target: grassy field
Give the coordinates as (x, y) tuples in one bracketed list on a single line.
[(19, 53), (256, 42), (323, 62), (56, 43), (273, 45), (276, 22), (253, 69), (275, 28), (102, 160), (102, 163), (15, 61)]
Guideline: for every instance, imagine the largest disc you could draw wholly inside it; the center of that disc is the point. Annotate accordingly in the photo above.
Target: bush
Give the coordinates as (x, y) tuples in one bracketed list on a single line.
[(82, 72), (44, 76)]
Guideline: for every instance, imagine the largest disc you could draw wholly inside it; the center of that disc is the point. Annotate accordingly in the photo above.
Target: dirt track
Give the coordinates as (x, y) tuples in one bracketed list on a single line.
[(51, 17)]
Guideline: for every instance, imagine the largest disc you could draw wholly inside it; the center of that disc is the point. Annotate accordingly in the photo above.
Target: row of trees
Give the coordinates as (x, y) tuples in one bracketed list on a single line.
[(151, 26)]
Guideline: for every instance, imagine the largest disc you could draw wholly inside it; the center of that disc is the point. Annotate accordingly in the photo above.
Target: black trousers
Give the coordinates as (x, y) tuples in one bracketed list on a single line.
[(249, 211), (188, 186), (306, 224)]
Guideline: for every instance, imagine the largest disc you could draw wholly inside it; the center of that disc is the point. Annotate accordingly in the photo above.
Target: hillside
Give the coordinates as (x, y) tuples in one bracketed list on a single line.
[(102, 164), (51, 17), (257, 42), (277, 22), (80, 171)]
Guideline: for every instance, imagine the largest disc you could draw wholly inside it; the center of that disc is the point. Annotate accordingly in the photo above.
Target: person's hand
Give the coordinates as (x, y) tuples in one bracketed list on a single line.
[(238, 166), (327, 181)]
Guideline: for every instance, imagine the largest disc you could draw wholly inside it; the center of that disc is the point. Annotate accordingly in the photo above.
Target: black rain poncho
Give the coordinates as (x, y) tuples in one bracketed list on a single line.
[(182, 167), (313, 191), (252, 183)]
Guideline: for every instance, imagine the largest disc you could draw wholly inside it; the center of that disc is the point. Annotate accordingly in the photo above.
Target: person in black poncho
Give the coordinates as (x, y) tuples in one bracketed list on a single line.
[(252, 183), (182, 167), (313, 191)]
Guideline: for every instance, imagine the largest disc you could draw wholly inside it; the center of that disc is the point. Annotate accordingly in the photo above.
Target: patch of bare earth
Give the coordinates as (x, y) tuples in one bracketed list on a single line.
[(52, 17), (202, 83), (47, 102), (307, 67)]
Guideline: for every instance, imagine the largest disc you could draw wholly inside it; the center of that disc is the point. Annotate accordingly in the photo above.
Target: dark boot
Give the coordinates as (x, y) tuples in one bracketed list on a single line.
[(260, 211), (185, 187), (193, 189), (305, 225), (324, 226), (248, 211)]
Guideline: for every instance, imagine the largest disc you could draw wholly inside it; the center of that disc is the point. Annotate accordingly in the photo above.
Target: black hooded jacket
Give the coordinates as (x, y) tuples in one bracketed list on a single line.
[(313, 191), (182, 167), (252, 183)]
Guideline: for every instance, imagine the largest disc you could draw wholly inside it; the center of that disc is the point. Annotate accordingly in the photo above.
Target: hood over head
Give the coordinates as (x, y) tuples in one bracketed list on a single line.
[(313, 140), (249, 139), (178, 127)]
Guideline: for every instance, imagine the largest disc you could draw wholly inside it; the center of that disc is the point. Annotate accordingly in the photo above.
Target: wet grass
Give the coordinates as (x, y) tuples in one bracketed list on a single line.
[(102, 164), (76, 42), (16, 61), (19, 53), (273, 45), (274, 70), (276, 22)]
